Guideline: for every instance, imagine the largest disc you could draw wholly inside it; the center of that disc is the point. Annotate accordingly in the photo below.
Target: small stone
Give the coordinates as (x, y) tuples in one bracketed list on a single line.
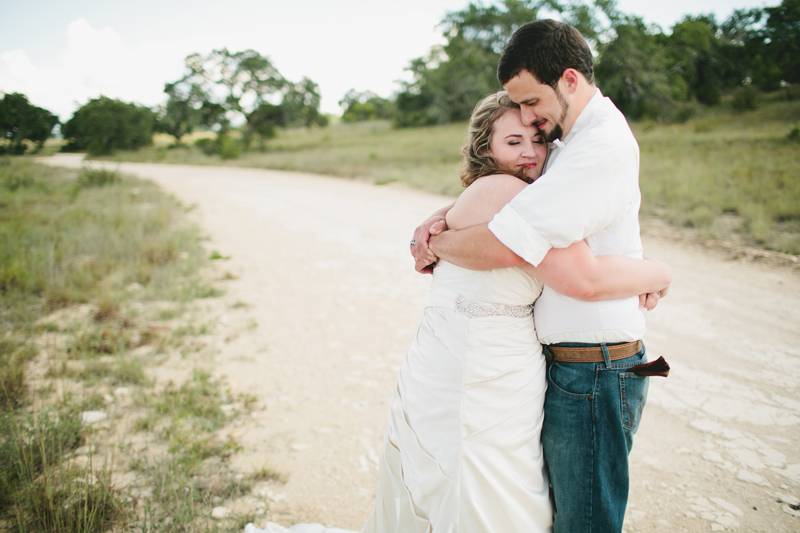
[(751, 477), (717, 527), (92, 417), (299, 447), (218, 513), (727, 521), (278, 497), (108, 398), (144, 493), (81, 461), (122, 391), (122, 481), (84, 450)]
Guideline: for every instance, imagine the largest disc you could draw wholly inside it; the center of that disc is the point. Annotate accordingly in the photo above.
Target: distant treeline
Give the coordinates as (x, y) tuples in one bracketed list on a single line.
[(646, 72)]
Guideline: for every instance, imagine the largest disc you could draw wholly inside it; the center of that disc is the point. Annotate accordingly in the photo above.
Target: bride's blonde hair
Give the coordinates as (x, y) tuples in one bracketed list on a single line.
[(477, 162)]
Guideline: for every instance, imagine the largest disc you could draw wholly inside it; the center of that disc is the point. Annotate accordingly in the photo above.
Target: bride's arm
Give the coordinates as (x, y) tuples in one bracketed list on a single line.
[(573, 271)]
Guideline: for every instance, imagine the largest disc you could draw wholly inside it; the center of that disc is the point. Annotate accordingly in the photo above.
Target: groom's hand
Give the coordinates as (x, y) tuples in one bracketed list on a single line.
[(424, 258)]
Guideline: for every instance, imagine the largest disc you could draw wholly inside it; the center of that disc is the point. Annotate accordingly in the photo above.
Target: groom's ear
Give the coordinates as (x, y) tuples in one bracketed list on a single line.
[(569, 80)]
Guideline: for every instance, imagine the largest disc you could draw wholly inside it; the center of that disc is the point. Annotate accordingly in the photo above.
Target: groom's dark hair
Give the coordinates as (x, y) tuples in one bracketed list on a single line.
[(546, 48)]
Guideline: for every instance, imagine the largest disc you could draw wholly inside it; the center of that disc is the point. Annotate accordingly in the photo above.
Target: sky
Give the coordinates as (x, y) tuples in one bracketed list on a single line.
[(63, 53)]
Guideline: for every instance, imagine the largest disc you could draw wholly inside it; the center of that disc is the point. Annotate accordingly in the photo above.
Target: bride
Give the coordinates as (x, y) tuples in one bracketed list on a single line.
[(462, 450)]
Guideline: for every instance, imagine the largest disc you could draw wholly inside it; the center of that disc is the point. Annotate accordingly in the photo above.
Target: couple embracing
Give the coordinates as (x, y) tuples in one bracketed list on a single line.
[(509, 417)]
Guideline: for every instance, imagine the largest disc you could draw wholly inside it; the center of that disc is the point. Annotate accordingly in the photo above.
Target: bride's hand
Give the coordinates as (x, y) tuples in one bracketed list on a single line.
[(650, 301), (424, 258)]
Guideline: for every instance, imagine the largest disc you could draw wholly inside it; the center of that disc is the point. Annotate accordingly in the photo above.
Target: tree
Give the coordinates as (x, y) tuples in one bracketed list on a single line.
[(188, 108), (105, 124), (634, 71), (224, 89), (363, 106), (233, 83), (782, 38), (301, 105), (20, 121), (694, 47), (447, 84), (264, 122), (451, 79)]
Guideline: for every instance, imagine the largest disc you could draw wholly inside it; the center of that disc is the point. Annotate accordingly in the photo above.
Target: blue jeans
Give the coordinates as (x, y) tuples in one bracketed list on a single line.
[(591, 412)]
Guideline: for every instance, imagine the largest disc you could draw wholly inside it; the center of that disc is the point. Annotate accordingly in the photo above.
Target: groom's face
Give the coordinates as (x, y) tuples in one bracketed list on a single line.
[(540, 104)]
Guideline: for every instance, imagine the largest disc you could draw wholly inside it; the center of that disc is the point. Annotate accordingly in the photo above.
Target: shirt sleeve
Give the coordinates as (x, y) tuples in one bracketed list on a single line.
[(587, 189)]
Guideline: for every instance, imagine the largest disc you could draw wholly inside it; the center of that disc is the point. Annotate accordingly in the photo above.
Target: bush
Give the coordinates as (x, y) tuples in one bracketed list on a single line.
[(227, 147), (206, 145), (794, 134), (104, 125), (96, 177), (745, 99), (20, 121)]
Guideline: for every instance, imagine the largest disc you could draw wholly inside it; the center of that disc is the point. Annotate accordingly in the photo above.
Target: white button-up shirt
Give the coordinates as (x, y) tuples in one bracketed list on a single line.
[(590, 190)]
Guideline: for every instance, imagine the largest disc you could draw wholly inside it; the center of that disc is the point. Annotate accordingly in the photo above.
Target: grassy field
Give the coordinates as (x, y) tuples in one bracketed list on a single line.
[(730, 175), (99, 279)]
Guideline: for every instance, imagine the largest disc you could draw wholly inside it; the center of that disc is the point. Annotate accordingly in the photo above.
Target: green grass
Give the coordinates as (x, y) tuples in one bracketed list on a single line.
[(117, 244), (41, 490), (730, 175), (184, 486), (727, 174)]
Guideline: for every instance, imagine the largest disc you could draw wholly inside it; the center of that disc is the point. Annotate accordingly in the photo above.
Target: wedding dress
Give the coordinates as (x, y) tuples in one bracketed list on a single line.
[(462, 452)]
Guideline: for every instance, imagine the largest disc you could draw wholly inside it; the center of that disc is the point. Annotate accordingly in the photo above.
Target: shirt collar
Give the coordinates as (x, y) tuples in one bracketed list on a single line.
[(593, 103)]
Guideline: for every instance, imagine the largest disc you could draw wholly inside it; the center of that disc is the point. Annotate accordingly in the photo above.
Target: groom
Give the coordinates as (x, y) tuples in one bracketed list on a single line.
[(590, 190)]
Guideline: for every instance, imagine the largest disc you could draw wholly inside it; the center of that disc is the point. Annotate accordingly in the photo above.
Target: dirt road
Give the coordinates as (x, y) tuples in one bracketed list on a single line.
[(324, 264)]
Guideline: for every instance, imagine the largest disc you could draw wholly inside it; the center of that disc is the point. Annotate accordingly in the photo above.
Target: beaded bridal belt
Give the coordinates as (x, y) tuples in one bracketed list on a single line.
[(473, 309)]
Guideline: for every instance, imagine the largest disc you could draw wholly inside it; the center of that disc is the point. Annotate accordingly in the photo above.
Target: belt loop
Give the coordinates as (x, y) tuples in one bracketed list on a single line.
[(606, 357), (547, 355)]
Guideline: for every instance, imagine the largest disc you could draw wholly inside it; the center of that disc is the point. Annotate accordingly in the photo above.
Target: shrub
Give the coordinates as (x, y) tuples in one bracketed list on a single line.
[(104, 125), (227, 147), (745, 99), (96, 177), (206, 145)]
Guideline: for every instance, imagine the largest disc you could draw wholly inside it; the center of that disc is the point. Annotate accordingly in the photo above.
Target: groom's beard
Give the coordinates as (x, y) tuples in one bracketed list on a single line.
[(557, 132)]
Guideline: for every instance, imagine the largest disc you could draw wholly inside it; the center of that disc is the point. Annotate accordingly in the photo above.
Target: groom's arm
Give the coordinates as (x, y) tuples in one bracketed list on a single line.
[(590, 187), (475, 248)]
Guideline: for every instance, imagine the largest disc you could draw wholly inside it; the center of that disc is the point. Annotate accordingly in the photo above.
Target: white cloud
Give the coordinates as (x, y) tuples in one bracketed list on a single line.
[(94, 62)]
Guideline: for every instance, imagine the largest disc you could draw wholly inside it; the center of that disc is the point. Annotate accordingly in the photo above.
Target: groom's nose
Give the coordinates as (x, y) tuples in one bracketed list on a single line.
[(528, 115)]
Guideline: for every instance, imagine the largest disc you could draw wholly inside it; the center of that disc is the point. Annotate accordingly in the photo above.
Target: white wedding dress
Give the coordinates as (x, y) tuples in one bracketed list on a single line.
[(462, 452)]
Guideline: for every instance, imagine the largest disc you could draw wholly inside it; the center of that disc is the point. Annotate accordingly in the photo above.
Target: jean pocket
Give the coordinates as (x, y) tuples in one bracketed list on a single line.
[(633, 396), (575, 380)]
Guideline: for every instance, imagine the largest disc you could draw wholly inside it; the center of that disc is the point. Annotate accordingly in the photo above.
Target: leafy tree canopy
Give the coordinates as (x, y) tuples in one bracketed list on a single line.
[(20, 121), (447, 84), (105, 124), (647, 72), (363, 106), (224, 89)]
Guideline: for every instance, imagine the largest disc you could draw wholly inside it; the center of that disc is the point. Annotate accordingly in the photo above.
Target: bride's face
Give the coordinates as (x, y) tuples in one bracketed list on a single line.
[(515, 146)]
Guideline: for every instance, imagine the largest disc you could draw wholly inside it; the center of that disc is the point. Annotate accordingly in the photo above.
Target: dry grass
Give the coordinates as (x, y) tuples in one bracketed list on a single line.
[(731, 176)]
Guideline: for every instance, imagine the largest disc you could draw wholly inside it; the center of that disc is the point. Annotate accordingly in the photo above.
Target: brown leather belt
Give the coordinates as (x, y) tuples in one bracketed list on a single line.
[(593, 354)]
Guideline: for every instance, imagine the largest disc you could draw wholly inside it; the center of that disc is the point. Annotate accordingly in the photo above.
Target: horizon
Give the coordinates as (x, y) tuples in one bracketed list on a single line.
[(80, 51)]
